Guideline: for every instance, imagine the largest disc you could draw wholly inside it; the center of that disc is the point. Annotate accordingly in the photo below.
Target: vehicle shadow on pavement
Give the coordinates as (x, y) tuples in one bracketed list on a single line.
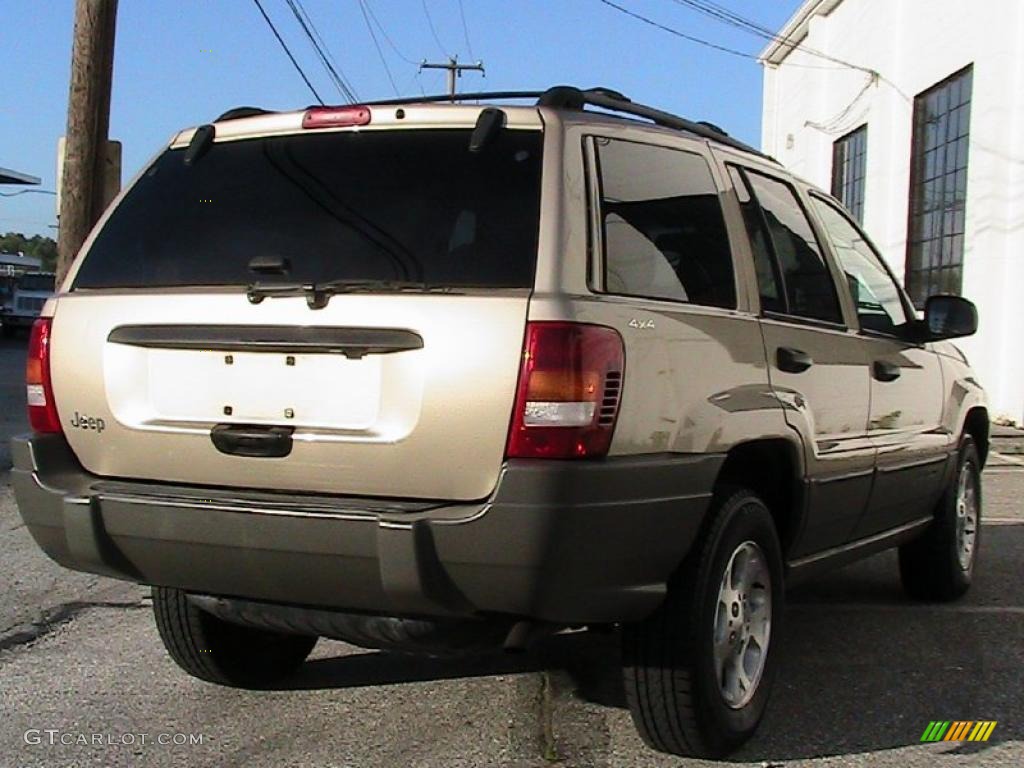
[(862, 669)]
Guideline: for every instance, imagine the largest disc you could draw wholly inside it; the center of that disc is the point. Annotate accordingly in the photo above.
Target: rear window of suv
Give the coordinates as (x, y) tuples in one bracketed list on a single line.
[(371, 205)]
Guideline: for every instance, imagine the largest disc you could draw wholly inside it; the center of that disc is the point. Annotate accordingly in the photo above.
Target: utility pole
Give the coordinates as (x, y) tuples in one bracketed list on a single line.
[(454, 70), (82, 197)]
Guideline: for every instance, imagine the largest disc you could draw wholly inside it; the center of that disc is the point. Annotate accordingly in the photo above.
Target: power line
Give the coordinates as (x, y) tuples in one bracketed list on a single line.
[(834, 125), (387, 37), (287, 51), (727, 16), (433, 30), (414, 79), (676, 32), (333, 70), (465, 30), (28, 192), (376, 44), (317, 49)]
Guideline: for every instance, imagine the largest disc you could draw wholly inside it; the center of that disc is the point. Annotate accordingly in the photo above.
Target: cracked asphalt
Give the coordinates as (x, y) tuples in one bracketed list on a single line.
[(863, 672)]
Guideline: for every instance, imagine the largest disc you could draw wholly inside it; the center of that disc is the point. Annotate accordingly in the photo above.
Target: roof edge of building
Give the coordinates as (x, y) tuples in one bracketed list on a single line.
[(794, 31)]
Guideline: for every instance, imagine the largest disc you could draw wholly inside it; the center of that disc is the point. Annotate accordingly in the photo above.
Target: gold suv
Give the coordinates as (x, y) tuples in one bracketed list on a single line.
[(433, 376)]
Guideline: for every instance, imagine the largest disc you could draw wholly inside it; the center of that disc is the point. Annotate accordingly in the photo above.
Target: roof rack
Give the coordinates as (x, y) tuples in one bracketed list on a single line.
[(565, 97), (605, 98), (570, 97)]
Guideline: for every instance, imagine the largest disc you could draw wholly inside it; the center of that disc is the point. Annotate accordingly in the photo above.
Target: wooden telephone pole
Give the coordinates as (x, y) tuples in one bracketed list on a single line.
[(454, 70), (82, 197)]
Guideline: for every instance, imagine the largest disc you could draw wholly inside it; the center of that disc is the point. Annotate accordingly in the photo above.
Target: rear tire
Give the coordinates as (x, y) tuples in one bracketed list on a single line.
[(939, 565), (221, 652), (681, 665)]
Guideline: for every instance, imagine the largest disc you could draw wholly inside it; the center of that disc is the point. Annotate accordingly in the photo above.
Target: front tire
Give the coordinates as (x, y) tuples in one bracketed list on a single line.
[(220, 652), (939, 565), (699, 670)]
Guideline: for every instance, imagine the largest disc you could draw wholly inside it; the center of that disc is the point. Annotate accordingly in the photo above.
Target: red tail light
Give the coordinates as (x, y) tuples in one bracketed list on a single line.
[(335, 117), (568, 394), (42, 410)]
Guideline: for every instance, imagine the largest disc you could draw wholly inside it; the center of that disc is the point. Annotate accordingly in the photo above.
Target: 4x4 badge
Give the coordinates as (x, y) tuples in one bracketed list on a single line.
[(641, 324)]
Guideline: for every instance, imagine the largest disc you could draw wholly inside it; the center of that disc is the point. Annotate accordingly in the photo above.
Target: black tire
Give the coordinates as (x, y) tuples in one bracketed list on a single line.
[(221, 652), (9, 331), (930, 567), (671, 679)]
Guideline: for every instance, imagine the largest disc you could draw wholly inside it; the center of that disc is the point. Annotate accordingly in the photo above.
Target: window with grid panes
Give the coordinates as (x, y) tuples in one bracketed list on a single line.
[(938, 188), (849, 163)]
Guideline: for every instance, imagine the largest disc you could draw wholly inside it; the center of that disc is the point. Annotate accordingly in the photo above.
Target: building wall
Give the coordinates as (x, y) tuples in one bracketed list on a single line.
[(810, 102)]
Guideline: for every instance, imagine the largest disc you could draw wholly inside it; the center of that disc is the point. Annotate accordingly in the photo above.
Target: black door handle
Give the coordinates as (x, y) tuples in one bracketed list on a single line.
[(792, 360), (253, 441), (884, 371)]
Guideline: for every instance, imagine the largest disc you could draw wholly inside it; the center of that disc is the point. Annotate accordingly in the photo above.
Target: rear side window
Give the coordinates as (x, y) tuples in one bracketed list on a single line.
[(368, 205), (664, 234), (801, 268)]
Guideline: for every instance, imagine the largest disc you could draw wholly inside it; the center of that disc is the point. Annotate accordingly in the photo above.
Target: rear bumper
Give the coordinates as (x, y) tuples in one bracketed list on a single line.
[(561, 542)]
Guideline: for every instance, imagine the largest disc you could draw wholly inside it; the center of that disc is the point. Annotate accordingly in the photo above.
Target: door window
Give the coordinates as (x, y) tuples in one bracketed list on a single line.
[(769, 282), (799, 265), (875, 294)]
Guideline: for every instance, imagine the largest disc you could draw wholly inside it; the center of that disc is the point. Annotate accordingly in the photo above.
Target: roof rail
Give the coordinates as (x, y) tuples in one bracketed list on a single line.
[(574, 98), (237, 113), (563, 97)]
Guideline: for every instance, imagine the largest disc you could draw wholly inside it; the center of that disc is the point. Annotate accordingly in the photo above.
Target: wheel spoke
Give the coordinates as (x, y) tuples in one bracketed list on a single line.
[(742, 625), (741, 675), (966, 515)]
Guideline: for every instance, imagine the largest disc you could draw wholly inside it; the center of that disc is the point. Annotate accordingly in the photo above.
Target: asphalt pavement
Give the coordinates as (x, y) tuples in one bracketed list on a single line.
[(84, 680)]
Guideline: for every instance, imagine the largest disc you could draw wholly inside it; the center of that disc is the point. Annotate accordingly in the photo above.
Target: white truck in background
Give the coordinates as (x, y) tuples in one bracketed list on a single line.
[(24, 300)]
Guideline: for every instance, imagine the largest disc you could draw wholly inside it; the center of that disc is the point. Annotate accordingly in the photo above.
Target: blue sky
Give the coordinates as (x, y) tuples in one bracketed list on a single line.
[(182, 62)]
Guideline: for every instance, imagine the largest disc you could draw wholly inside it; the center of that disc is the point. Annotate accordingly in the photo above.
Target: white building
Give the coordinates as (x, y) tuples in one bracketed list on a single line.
[(925, 133)]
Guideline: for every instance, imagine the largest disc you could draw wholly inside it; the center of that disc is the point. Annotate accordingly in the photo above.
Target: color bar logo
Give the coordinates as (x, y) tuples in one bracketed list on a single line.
[(958, 730)]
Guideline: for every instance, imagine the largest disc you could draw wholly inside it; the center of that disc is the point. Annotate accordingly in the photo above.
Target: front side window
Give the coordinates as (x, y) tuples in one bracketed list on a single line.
[(849, 166), (664, 233), (809, 289), (875, 294), (938, 188)]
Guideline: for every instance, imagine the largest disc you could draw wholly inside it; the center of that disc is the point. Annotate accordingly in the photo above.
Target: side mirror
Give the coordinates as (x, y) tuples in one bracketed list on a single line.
[(949, 317)]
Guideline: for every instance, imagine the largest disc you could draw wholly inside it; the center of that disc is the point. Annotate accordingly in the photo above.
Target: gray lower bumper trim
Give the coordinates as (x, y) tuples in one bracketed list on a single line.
[(564, 542)]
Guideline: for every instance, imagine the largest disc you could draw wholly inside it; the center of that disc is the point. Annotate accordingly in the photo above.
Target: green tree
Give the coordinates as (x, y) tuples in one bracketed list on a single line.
[(37, 246)]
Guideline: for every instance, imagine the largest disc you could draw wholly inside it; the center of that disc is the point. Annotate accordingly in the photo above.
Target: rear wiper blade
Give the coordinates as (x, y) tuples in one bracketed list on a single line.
[(257, 292), (318, 294)]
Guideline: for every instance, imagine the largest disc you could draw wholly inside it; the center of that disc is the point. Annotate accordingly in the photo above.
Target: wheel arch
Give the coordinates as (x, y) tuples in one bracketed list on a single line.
[(773, 468), (977, 425)]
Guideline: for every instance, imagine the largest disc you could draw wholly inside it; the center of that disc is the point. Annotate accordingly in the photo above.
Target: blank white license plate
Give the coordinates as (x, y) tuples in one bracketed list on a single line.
[(313, 390)]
